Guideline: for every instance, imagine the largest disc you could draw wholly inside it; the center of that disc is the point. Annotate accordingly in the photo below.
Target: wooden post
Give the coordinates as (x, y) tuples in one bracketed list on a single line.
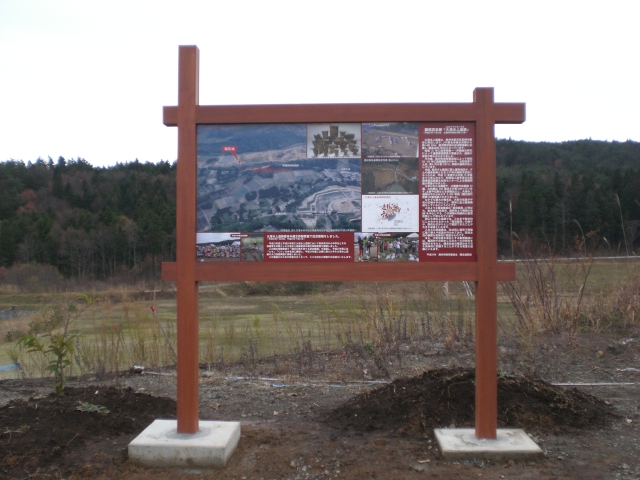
[(487, 250), (187, 286)]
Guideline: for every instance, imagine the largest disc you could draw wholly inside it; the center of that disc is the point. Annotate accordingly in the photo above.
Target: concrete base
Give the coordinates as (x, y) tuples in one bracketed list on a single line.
[(160, 445), (462, 444)]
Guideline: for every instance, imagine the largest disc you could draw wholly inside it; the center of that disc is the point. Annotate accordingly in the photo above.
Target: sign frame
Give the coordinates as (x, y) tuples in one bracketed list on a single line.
[(187, 272)]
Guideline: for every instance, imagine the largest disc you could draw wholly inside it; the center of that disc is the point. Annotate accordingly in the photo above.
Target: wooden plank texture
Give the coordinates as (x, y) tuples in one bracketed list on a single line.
[(342, 112), (486, 412), (187, 288), (338, 272)]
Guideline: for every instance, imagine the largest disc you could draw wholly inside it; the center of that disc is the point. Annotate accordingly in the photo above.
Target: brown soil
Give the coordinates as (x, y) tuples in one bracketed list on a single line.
[(446, 397), (54, 434), (325, 422)]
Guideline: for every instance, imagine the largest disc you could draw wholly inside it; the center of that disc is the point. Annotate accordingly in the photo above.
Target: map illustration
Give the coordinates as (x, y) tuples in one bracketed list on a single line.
[(390, 213)]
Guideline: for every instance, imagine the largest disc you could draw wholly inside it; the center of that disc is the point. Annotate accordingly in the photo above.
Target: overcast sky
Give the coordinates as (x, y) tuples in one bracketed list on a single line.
[(89, 78)]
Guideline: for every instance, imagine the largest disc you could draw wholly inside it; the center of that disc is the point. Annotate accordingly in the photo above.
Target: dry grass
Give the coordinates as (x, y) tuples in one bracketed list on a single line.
[(369, 324), (573, 295)]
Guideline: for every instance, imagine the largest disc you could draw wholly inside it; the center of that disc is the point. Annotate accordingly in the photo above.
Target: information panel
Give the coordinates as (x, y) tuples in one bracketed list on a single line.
[(447, 210), (308, 247), (336, 192)]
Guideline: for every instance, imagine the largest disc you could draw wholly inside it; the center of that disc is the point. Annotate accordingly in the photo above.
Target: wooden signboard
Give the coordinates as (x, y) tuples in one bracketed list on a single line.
[(342, 192)]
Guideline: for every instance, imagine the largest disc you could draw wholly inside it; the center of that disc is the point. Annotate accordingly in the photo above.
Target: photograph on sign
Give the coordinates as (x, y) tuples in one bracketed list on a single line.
[(333, 140), (218, 247), (386, 247), (391, 175), (399, 247), (252, 247), (301, 192), (268, 184), (390, 139), (364, 247)]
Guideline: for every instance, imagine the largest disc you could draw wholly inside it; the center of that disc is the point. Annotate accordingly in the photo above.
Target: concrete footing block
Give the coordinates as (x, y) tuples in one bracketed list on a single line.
[(160, 445), (510, 444)]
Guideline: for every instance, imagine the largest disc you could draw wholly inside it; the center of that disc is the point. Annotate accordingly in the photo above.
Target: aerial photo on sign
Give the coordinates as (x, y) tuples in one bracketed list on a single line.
[(254, 178), (390, 139)]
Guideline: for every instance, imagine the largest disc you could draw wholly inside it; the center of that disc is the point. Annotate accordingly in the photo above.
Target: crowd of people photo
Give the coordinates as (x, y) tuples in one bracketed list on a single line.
[(214, 251), (399, 249)]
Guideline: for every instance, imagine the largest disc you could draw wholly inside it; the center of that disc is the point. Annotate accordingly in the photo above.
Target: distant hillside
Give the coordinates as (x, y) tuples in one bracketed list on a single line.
[(91, 222), (563, 194), (578, 156), (86, 221)]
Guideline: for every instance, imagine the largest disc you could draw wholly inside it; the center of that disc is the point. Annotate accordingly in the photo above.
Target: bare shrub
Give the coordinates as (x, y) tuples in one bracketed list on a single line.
[(32, 277), (550, 294), (617, 308)]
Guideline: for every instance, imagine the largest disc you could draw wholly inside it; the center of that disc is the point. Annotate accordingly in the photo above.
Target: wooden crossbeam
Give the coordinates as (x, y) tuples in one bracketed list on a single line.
[(338, 272), (344, 112)]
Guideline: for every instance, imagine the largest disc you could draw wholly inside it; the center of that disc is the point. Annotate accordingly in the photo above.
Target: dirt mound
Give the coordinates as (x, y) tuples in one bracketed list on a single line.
[(439, 398), (43, 432)]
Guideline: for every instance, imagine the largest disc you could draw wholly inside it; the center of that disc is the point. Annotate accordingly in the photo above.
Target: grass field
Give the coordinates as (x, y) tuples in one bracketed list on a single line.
[(241, 322)]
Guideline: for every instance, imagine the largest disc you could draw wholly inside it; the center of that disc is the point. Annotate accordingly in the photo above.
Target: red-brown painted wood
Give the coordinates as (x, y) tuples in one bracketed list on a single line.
[(343, 112), (487, 250), (338, 272), (187, 272), (187, 287)]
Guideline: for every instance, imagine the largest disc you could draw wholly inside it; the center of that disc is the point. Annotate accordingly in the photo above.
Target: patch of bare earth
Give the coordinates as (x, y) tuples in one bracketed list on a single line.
[(332, 424)]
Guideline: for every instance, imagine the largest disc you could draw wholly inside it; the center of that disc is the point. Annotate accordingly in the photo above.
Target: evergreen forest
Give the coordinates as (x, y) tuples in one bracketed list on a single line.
[(86, 222)]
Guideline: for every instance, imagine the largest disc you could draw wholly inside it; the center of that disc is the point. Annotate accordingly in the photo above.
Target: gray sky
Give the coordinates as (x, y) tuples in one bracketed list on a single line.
[(89, 78)]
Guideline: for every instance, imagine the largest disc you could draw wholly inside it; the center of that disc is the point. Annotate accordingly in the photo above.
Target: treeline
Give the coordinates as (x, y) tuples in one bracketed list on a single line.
[(98, 223), (88, 222), (570, 197)]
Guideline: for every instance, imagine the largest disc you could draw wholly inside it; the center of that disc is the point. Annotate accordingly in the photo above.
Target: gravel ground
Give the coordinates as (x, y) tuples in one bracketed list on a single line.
[(286, 433)]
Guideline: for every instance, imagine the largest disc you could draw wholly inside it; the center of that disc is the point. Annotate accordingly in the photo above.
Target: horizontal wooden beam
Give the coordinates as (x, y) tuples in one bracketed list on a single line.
[(170, 116), (338, 272), (514, 113), (343, 112)]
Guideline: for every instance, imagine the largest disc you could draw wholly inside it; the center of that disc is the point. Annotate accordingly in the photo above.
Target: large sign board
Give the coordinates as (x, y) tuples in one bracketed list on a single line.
[(336, 192), (301, 192)]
